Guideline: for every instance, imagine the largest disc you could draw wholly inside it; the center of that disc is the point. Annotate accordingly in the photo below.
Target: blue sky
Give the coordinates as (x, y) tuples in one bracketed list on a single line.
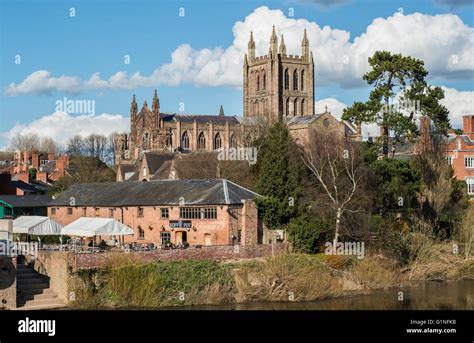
[(101, 33)]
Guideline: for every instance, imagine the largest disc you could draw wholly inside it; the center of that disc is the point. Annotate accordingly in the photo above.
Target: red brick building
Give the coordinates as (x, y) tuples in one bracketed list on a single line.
[(460, 153), (199, 212), (49, 168)]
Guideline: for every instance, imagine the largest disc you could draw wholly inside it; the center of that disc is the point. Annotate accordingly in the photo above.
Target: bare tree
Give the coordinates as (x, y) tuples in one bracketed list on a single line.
[(95, 145), (49, 145), (25, 142), (335, 162), (111, 148), (75, 145)]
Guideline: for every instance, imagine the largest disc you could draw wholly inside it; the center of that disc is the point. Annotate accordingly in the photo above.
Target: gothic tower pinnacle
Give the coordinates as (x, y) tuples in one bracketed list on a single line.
[(273, 44), (251, 47)]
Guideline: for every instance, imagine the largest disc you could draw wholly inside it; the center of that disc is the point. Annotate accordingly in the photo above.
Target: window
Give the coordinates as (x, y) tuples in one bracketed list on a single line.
[(302, 107), (201, 141), (185, 140), (210, 213), (295, 107), (470, 185), (264, 83), (69, 210), (217, 141), (141, 233), (165, 237), (258, 83), (469, 161), (295, 80), (53, 210), (326, 122), (169, 138), (165, 213), (84, 211), (111, 212), (140, 212), (97, 212), (198, 213), (144, 171), (287, 107), (233, 141), (449, 159), (302, 80), (190, 213), (287, 80), (458, 145)]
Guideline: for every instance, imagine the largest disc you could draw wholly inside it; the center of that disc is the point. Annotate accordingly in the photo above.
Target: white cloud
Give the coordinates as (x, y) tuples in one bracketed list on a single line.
[(61, 126), (459, 103), (333, 105), (444, 42)]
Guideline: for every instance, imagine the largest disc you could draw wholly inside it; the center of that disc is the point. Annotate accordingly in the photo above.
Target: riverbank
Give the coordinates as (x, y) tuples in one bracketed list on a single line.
[(293, 277)]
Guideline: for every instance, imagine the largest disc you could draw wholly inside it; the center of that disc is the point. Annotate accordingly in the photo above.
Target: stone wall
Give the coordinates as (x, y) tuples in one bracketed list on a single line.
[(8, 282), (55, 266), (216, 253)]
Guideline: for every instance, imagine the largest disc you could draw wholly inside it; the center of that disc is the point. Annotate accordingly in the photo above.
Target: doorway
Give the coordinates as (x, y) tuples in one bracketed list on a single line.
[(207, 239), (181, 237)]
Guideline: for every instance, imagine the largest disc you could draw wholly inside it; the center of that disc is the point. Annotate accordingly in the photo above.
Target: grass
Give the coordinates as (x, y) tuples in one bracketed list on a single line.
[(293, 277)]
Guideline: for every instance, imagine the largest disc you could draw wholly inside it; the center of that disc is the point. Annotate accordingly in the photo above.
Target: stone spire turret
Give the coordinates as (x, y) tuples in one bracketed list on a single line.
[(273, 43), (221, 111), (251, 47), (156, 103), (133, 107), (305, 46), (282, 46)]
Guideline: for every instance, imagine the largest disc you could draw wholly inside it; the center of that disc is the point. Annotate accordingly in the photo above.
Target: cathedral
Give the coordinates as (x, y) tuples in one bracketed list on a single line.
[(276, 87)]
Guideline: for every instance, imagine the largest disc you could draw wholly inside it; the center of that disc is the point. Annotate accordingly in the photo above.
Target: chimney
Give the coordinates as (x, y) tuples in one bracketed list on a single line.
[(26, 157), (468, 124), (35, 159)]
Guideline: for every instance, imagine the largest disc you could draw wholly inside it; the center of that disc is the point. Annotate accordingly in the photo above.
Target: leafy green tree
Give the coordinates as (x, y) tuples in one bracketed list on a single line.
[(397, 185), (32, 172), (394, 75), (306, 234), (278, 171)]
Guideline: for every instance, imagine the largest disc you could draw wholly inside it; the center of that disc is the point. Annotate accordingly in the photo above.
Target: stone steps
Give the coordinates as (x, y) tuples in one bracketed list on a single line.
[(33, 291)]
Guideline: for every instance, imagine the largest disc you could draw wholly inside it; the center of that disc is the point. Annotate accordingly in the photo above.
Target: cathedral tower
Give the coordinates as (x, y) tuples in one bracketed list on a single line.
[(278, 85)]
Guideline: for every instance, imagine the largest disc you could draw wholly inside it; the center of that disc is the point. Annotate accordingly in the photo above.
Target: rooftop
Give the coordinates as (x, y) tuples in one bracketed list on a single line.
[(26, 200), (155, 193)]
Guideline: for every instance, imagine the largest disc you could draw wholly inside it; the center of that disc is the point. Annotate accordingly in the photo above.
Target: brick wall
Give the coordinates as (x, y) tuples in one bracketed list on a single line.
[(216, 253), (205, 231)]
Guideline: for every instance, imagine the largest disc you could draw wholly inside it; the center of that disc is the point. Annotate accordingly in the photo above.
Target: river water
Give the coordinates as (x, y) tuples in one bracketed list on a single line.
[(429, 296)]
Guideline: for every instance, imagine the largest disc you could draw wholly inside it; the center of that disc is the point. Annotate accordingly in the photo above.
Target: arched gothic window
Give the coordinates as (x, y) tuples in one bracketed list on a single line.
[(217, 141), (295, 80), (185, 140), (201, 141)]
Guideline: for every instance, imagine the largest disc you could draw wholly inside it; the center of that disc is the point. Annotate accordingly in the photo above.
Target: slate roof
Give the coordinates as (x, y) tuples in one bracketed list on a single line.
[(199, 118), (27, 200), (156, 193), (26, 187), (155, 160), (298, 120)]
